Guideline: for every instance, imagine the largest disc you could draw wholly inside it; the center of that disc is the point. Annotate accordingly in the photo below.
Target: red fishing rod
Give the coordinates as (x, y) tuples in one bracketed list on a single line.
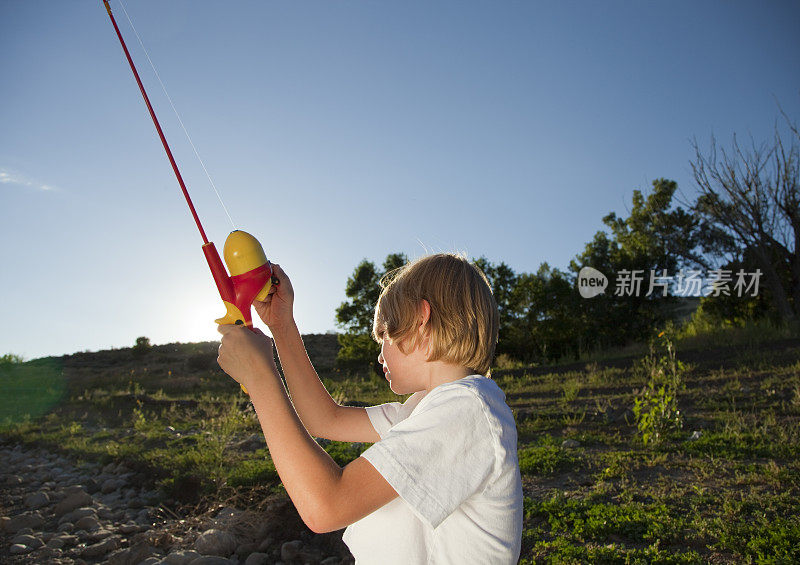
[(250, 272)]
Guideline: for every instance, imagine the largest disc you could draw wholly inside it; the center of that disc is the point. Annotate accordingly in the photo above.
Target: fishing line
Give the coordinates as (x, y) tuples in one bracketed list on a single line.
[(152, 66)]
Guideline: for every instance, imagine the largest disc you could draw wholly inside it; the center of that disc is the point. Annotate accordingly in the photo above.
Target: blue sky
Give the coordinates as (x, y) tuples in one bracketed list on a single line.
[(338, 131)]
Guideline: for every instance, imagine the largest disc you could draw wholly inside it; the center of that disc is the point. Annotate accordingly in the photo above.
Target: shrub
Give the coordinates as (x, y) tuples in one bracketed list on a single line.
[(142, 346), (656, 405), (10, 359)]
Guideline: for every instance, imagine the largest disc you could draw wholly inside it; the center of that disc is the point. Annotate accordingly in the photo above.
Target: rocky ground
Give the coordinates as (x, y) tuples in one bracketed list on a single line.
[(54, 510)]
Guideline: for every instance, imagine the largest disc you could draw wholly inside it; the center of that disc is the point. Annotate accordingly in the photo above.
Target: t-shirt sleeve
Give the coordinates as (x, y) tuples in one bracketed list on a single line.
[(384, 416), (439, 456)]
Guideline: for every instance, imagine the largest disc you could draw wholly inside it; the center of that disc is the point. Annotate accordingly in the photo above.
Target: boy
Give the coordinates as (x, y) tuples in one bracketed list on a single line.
[(441, 484)]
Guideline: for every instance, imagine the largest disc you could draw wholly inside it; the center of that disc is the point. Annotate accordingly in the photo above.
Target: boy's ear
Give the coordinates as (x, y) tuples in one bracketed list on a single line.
[(425, 314)]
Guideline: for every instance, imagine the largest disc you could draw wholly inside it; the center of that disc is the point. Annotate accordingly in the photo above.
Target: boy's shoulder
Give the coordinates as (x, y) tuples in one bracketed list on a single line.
[(479, 385), (476, 391)]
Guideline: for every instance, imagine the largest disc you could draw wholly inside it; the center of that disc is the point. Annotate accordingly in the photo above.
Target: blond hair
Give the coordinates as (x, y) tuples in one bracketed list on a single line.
[(464, 319)]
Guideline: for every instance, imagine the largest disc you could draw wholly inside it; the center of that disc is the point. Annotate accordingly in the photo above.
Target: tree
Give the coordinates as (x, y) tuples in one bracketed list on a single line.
[(142, 346), (502, 281), (655, 238), (751, 196), (357, 348), (544, 327), (537, 311)]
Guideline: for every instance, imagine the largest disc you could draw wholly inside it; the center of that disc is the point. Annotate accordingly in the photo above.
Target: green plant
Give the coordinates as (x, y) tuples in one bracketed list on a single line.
[(506, 361), (142, 346), (571, 388), (10, 359), (656, 406)]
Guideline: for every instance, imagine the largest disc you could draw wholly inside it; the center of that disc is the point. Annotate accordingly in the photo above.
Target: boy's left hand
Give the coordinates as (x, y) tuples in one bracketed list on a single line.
[(245, 354)]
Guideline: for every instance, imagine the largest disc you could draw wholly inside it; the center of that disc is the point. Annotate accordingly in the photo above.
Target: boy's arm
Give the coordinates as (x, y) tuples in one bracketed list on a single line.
[(320, 414), (326, 496)]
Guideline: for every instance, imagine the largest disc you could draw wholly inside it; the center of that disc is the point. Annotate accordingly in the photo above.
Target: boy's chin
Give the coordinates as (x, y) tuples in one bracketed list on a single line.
[(395, 387), (401, 390)]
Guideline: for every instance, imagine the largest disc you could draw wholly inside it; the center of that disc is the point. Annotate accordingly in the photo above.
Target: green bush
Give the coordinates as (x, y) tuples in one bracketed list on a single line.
[(10, 359), (142, 346), (656, 406), (545, 459), (252, 473)]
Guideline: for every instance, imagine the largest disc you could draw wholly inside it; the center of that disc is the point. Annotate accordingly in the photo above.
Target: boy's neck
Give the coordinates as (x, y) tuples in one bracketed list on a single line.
[(439, 373)]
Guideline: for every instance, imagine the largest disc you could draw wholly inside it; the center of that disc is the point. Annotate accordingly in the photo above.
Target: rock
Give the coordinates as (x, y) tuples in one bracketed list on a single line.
[(150, 561), (73, 501), (226, 515), (257, 559), (19, 549), (333, 560), (66, 527), (181, 558), (211, 560), (43, 555), (138, 553), (143, 517), (4, 522), (246, 549), (570, 443), (77, 514), (93, 537), (36, 500), (74, 489), (697, 434), (110, 486), (88, 523), (215, 542), (28, 541), (68, 539), (265, 545), (102, 548), (24, 520), (130, 528), (290, 549), (56, 543)]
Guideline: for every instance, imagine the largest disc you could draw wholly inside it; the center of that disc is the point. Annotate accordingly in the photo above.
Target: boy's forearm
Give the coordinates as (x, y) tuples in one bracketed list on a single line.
[(312, 401), (307, 472)]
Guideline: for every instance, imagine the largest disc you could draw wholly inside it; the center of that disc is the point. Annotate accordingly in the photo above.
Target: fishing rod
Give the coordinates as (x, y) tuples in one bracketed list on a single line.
[(250, 272)]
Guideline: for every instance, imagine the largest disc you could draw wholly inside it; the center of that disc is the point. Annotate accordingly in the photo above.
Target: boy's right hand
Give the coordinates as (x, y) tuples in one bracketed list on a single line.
[(277, 310)]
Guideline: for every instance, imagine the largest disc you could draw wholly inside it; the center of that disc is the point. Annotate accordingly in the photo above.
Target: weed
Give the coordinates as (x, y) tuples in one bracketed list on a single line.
[(570, 389), (252, 473), (505, 361), (546, 458), (656, 406)]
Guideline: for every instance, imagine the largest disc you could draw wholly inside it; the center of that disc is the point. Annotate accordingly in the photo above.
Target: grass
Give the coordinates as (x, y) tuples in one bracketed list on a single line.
[(29, 390), (724, 488)]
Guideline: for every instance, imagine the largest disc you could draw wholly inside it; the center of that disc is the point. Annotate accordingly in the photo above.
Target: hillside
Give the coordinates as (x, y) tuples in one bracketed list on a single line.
[(160, 448)]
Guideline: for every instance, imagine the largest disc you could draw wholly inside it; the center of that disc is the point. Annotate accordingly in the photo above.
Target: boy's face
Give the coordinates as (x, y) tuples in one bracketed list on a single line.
[(403, 371)]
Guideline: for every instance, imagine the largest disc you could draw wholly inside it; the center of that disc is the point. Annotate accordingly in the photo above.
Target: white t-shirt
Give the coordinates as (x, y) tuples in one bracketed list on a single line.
[(451, 455)]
